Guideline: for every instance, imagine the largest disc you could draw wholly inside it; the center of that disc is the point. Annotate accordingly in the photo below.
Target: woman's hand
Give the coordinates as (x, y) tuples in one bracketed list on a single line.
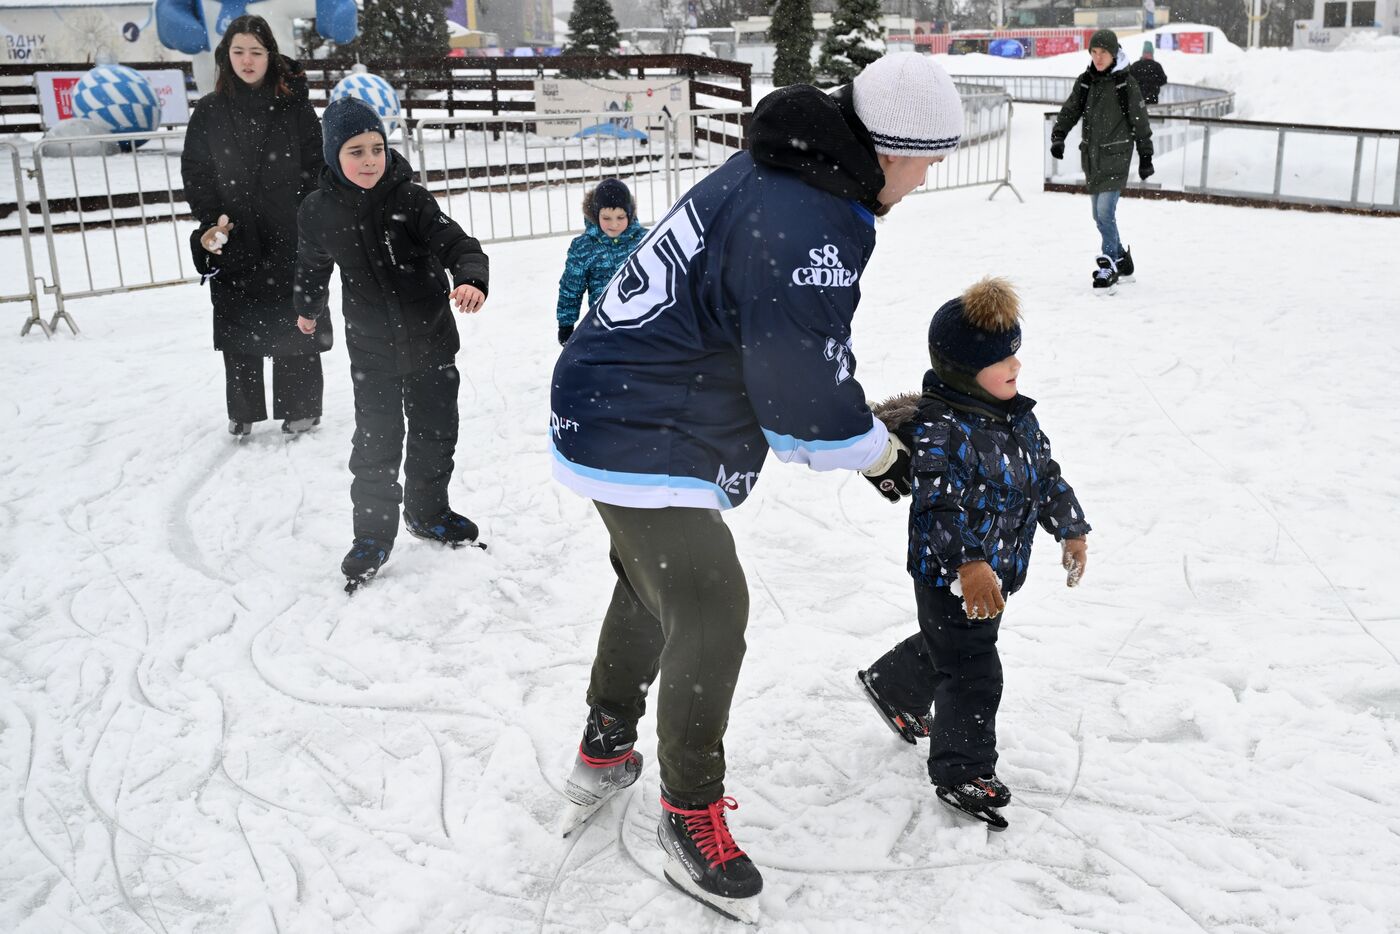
[(306, 325), (215, 237), (468, 298)]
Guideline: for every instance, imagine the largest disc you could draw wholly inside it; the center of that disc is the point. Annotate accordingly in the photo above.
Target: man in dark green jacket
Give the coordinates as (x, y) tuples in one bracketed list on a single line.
[(1108, 100)]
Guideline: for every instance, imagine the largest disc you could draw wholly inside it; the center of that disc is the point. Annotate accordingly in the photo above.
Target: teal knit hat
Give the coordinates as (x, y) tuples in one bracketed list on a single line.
[(1105, 39)]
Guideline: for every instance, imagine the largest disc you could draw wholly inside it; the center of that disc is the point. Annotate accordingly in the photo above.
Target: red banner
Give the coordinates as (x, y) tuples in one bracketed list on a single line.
[(63, 96), (1194, 42), (1056, 45)]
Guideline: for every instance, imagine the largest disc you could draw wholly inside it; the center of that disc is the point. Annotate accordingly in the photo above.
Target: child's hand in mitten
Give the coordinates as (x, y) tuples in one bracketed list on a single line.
[(981, 590), (468, 298), (1074, 555)]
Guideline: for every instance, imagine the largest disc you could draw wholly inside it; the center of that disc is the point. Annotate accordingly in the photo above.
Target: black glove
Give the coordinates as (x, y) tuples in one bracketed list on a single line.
[(565, 330), (1145, 168), (1057, 149), (892, 474)]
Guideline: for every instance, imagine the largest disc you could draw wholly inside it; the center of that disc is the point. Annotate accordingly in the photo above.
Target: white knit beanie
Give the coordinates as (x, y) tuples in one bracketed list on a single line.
[(908, 103)]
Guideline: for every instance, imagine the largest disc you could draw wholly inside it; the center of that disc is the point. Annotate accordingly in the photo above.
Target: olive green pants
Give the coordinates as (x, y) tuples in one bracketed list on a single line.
[(677, 620)]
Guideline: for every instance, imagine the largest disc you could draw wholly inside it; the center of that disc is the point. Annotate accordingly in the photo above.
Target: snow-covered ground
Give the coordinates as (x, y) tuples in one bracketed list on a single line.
[(200, 733)]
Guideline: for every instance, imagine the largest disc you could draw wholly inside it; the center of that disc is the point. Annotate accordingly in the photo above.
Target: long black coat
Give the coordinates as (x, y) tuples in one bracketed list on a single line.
[(394, 247), (254, 156)]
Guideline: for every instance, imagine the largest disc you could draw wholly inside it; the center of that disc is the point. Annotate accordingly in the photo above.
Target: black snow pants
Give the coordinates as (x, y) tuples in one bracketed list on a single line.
[(951, 663), (297, 384), (677, 619), (427, 399)]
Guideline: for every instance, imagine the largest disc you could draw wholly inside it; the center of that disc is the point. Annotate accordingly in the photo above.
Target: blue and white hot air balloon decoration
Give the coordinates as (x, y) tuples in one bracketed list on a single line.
[(373, 90), (119, 98)]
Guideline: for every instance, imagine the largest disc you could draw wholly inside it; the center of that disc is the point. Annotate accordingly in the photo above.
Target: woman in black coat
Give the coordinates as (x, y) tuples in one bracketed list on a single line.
[(252, 153)]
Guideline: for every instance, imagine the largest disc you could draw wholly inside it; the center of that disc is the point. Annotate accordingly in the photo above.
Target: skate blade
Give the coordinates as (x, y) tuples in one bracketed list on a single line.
[(352, 584), (453, 545), (577, 815), (993, 820), (865, 692), (743, 910)]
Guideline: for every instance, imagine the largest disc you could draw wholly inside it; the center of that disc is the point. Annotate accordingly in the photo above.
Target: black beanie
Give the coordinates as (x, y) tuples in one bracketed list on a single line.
[(976, 329), (612, 193), (342, 121), (1105, 39)]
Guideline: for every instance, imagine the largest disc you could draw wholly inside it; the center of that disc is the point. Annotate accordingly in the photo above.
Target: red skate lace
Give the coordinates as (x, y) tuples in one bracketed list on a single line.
[(708, 829), (595, 763)]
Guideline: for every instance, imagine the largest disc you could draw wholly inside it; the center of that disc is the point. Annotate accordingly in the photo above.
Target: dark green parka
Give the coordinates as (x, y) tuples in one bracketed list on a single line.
[(1108, 133)]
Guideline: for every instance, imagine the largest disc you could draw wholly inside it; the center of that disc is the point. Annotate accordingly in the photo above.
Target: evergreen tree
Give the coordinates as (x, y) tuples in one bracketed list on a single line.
[(399, 30), (592, 29), (791, 31), (855, 40)]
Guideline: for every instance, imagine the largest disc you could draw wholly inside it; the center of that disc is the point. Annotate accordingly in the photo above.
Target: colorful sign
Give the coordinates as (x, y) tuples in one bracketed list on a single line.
[(55, 90), (1057, 45)]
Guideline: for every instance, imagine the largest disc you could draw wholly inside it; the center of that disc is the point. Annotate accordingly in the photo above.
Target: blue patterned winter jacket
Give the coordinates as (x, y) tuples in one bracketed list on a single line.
[(593, 258), (983, 478)]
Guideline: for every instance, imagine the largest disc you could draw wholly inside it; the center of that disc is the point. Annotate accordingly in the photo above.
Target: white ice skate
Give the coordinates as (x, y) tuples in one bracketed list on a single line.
[(593, 782)]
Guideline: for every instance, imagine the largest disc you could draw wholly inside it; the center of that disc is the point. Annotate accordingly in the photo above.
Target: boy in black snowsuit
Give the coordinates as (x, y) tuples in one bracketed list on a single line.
[(392, 243), (982, 478)]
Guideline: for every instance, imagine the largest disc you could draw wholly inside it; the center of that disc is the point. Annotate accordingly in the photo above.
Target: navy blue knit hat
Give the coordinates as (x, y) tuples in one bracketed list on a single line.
[(612, 193), (976, 329), (342, 121)]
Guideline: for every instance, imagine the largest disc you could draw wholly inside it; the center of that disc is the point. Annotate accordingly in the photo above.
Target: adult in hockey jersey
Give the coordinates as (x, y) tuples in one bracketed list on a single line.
[(252, 153), (725, 335)]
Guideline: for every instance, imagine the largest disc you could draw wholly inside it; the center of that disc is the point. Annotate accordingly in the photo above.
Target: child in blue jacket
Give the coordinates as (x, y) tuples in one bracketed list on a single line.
[(609, 236), (982, 479)]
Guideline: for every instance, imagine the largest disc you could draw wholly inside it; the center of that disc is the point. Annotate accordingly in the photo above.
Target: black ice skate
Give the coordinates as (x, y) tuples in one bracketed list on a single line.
[(1106, 276), (366, 557), (606, 763), (1125, 265), (703, 861), (447, 528), (978, 797), (300, 426), (907, 725), (240, 430)]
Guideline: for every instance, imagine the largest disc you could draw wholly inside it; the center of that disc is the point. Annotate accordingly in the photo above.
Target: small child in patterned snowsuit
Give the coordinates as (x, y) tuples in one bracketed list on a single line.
[(611, 233), (982, 479)]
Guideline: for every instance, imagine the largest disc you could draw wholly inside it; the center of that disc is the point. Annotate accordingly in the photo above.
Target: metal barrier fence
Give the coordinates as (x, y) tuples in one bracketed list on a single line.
[(31, 284), (116, 195), (115, 220), (521, 176), (1255, 163), (1175, 99)]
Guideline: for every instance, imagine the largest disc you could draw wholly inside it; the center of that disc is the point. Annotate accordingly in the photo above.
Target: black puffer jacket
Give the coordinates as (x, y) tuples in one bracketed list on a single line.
[(253, 156), (392, 243)]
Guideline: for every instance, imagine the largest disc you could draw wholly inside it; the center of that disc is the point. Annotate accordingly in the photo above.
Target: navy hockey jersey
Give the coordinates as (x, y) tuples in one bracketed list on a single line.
[(726, 334)]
